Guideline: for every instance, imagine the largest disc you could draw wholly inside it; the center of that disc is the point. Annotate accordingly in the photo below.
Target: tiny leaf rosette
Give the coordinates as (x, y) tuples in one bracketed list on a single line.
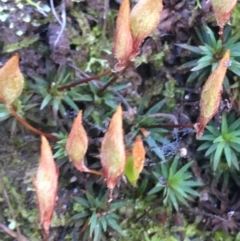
[(223, 11), (77, 144), (113, 157), (135, 161), (46, 184), (11, 81), (211, 94)]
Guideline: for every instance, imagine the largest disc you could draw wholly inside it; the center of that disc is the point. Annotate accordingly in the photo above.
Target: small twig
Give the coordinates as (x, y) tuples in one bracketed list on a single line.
[(28, 126), (99, 173), (12, 233), (155, 205), (123, 100), (206, 214), (63, 25), (110, 198), (170, 117), (100, 93), (221, 35), (95, 126), (54, 12), (169, 126), (72, 65), (82, 81), (164, 115)]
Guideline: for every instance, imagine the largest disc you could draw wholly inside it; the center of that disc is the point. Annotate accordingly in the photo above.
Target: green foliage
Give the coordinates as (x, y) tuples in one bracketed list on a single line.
[(94, 218), (27, 217), (176, 184), (223, 142), (206, 56), (60, 145), (24, 108), (136, 216), (129, 170), (88, 42), (155, 137), (198, 4), (170, 91), (26, 42), (150, 231), (236, 19), (223, 174), (47, 88)]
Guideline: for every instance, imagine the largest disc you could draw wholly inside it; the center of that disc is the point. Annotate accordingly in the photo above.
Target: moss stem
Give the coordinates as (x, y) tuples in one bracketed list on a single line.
[(114, 78), (28, 126), (82, 81)]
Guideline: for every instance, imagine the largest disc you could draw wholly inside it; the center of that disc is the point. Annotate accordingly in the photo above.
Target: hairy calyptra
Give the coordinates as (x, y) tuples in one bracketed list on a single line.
[(123, 38), (223, 11), (77, 144), (11, 81), (144, 18), (133, 27), (211, 94), (113, 155), (46, 184)]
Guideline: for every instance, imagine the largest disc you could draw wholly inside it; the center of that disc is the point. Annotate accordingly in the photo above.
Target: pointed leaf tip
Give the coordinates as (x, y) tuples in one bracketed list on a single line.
[(133, 27), (11, 81), (144, 18), (46, 183), (113, 150), (123, 38), (211, 94), (223, 11), (77, 143)]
